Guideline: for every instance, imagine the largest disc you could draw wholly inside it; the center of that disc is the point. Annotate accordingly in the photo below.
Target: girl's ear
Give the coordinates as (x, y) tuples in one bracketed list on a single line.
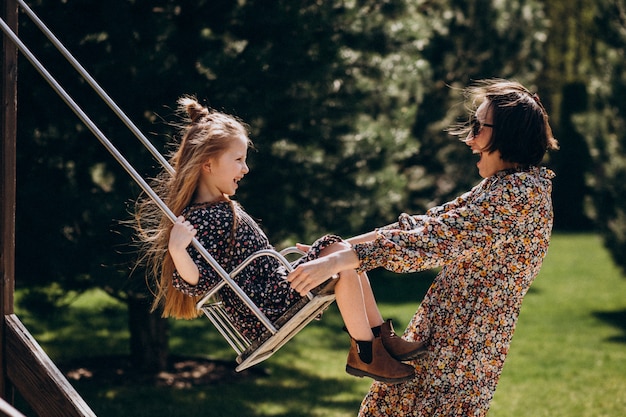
[(206, 167)]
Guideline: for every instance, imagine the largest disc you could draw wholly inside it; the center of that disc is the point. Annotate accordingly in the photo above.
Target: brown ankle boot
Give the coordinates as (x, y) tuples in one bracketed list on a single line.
[(382, 368), (398, 348)]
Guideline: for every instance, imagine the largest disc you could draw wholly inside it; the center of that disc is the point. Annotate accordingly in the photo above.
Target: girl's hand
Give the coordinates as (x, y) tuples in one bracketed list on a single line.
[(181, 235)]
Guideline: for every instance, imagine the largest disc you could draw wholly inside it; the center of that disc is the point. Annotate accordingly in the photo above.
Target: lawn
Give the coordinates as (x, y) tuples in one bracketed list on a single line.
[(568, 357)]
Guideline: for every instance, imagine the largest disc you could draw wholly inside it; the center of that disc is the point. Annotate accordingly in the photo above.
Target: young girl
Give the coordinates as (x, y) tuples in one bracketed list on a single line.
[(209, 164)]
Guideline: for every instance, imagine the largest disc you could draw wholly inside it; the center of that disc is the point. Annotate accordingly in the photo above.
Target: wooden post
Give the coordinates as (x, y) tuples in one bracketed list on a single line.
[(23, 363), (8, 92)]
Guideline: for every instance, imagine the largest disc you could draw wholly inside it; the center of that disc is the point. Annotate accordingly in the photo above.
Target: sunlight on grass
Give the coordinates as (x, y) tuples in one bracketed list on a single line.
[(568, 356)]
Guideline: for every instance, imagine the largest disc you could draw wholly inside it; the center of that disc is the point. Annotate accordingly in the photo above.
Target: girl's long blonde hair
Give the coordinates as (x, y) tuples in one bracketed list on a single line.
[(205, 134)]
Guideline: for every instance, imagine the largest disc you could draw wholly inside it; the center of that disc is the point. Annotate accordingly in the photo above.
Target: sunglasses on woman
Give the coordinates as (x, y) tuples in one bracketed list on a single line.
[(476, 126)]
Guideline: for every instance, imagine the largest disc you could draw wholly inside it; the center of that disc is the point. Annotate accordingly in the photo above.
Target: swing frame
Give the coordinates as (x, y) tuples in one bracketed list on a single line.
[(284, 328), (278, 333)]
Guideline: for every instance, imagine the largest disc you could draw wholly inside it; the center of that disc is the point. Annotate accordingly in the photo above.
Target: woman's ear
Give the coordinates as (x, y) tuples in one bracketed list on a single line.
[(206, 167)]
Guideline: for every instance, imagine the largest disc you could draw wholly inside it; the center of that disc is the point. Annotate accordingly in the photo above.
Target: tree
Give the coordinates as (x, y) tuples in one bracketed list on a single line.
[(466, 41), (603, 124), (572, 163), (562, 86)]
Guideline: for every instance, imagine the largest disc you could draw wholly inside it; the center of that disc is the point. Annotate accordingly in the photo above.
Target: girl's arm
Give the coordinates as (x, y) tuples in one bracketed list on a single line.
[(365, 237), (180, 237)]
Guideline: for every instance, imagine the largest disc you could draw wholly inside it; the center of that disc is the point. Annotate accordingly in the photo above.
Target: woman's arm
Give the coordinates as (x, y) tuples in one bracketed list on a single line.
[(365, 237), (459, 229), (180, 237), (408, 222)]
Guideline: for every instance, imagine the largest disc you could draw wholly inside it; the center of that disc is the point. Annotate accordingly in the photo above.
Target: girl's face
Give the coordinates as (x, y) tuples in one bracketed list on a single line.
[(221, 175), (489, 162)]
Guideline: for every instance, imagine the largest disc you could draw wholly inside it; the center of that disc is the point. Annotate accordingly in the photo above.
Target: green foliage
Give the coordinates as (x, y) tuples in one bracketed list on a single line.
[(603, 125), (562, 87), (456, 42)]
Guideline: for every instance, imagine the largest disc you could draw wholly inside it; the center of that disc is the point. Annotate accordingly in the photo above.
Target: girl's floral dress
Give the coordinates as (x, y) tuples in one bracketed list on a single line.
[(490, 244), (264, 280)]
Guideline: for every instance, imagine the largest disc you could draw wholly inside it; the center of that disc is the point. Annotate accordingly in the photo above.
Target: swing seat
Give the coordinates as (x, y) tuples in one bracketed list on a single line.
[(279, 332)]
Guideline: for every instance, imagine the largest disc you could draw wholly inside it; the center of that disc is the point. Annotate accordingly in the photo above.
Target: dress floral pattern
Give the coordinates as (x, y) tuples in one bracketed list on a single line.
[(264, 280), (490, 243)]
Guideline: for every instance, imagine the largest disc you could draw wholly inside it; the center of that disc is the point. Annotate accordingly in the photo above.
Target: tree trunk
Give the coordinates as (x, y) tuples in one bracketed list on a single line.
[(149, 335)]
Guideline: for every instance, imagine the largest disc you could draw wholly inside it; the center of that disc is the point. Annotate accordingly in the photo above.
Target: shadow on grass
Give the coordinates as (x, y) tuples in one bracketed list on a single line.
[(616, 319), (282, 391)]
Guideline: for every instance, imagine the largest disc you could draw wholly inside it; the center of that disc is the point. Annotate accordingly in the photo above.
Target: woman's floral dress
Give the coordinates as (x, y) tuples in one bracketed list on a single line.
[(264, 280), (490, 243)]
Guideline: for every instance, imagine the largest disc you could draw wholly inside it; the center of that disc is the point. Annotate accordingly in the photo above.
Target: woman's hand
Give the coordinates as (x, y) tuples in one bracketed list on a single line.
[(304, 248), (181, 235), (309, 275)]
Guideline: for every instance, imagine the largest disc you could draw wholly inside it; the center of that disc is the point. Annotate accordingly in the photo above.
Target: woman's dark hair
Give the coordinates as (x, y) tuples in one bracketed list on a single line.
[(521, 131)]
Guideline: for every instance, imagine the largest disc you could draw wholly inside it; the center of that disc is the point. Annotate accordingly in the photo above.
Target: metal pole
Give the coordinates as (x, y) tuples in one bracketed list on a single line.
[(92, 82)]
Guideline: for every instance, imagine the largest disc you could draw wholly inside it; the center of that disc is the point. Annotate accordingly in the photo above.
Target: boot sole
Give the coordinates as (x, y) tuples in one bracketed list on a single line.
[(360, 374)]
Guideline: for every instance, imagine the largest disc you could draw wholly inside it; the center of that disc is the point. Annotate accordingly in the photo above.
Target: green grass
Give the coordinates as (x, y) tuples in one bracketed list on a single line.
[(568, 357)]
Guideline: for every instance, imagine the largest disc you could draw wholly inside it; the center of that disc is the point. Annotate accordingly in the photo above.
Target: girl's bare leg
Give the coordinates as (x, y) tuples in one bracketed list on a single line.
[(373, 313), (349, 295)]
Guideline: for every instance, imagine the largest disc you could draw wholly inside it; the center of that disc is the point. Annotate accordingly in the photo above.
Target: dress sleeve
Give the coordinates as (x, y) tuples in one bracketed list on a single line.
[(213, 228), (461, 228), (407, 222)]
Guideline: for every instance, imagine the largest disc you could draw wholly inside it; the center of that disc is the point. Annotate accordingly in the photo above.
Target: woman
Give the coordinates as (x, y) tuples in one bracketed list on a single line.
[(489, 242), (210, 162)]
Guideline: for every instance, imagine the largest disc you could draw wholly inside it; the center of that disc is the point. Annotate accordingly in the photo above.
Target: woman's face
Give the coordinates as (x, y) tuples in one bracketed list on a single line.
[(489, 162)]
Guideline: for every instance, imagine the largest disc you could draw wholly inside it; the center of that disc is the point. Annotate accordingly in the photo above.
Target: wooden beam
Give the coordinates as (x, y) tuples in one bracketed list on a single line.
[(8, 118), (7, 185), (37, 378)]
